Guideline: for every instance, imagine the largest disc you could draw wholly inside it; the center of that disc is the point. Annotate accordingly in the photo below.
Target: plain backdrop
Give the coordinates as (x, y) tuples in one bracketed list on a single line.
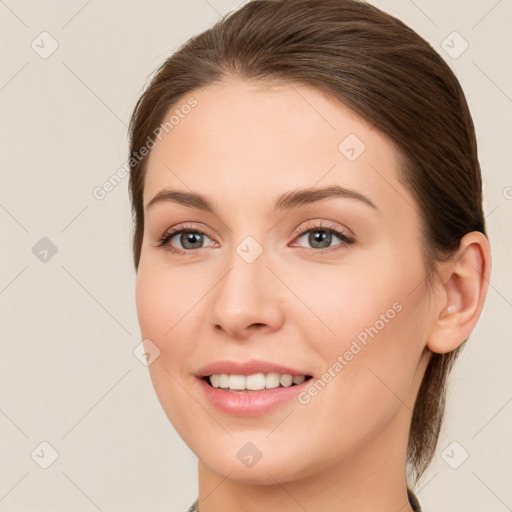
[(74, 396)]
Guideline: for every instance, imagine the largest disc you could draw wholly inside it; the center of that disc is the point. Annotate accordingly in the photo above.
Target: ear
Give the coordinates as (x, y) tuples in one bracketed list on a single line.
[(464, 281)]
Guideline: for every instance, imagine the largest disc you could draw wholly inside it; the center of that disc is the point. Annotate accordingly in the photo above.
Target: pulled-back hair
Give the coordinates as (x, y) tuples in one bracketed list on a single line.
[(388, 75)]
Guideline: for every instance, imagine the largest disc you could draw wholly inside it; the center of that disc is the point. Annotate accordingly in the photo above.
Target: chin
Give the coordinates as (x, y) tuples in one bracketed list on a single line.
[(258, 463)]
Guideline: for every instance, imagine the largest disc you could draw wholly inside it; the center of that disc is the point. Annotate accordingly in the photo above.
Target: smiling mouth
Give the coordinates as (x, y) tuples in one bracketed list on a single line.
[(254, 382)]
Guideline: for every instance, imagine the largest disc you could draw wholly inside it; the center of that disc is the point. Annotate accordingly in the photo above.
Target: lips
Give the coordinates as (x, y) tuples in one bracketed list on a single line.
[(249, 402)]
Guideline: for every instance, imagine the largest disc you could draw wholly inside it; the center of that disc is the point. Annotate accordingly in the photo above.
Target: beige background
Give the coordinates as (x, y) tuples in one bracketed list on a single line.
[(68, 374)]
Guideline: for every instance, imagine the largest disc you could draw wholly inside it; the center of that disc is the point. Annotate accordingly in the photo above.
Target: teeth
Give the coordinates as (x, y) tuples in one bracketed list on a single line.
[(272, 380), (254, 382), (237, 382), (286, 381), (223, 381)]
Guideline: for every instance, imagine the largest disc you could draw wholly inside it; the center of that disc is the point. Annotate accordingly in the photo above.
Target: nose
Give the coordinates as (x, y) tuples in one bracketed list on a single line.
[(247, 299)]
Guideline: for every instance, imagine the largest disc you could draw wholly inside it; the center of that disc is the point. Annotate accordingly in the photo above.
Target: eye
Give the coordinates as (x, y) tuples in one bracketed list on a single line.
[(189, 237), (320, 236)]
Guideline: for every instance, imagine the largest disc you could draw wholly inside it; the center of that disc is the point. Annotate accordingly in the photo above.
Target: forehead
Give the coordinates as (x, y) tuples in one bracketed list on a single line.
[(249, 142)]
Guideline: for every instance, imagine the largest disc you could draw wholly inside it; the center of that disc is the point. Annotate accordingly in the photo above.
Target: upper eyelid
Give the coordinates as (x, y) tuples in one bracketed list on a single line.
[(323, 225), (187, 227), (310, 224)]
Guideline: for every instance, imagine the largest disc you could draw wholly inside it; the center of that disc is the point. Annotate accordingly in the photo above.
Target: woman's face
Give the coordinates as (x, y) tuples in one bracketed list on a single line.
[(260, 282)]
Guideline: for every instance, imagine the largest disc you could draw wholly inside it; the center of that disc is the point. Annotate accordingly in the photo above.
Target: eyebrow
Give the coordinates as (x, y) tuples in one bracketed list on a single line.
[(288, 201)]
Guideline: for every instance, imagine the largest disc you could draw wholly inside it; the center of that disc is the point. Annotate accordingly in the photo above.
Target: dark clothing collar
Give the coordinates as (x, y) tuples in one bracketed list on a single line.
[(415, 504)]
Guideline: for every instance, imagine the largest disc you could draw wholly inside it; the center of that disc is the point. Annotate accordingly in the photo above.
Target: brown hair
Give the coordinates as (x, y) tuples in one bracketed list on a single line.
[(386, 73)]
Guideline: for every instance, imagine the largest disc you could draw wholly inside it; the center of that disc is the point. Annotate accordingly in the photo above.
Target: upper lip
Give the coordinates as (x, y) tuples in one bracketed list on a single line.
[(246, 368)]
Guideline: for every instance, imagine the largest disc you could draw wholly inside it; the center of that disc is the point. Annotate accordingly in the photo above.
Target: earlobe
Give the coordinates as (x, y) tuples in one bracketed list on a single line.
[(465, 281)]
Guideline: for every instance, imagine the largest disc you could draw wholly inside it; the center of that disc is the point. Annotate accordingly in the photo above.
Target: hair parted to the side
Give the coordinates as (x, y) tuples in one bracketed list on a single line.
[(383, 71)]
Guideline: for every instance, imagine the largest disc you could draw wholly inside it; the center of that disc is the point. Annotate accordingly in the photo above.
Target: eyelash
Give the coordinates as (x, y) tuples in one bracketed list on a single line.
[(345, 239)]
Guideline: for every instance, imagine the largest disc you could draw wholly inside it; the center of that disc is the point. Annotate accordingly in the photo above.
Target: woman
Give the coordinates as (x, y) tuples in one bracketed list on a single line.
[(311, 253)]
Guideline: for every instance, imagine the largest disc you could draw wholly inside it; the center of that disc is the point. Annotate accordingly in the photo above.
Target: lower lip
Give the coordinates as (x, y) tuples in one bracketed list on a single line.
[(250, 403)]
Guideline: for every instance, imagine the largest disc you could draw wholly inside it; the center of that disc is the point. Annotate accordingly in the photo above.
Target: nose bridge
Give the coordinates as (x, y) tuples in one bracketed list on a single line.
[(247, 275), (244, 296), (248, 247)]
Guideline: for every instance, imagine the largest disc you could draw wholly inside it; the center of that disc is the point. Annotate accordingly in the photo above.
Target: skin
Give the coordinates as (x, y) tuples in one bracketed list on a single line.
[(244, 145)]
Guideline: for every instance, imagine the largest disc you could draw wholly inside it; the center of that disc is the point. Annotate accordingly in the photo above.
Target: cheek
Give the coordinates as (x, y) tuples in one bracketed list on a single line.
[(164, 299), (373, 315), (342, 302), (165, 309), (164, 317)]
